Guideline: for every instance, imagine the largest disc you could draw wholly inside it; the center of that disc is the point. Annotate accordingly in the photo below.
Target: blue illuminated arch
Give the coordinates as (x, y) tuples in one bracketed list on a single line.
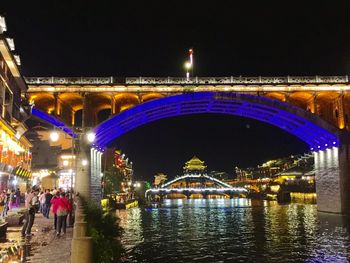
[(53, 121), (310, 128)]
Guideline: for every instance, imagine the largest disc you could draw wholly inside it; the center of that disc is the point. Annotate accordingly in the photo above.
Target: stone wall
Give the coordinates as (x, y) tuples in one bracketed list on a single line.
[(332, 168)]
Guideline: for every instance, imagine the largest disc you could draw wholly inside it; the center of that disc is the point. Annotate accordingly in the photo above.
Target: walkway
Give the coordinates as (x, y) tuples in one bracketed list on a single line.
[(43, 246)]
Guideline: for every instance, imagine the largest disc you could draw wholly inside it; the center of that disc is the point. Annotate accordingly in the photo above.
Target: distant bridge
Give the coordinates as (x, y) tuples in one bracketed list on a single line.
[(185, 185)]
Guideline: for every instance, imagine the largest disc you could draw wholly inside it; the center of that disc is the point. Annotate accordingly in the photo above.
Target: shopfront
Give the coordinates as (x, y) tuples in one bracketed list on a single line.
[(15, 159)]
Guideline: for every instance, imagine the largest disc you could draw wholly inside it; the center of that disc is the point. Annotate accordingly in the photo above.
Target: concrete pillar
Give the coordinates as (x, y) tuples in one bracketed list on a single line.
[(57, 105), (82, 247), (81, 244), (95, 187), (83, 171), (113, 108), (84, 113), (79, 217), (332, 170), (73, 118), (339, 106), (312, 104), (79, 229)]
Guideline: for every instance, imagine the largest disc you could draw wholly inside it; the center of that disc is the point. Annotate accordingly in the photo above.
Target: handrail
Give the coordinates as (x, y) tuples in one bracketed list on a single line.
[(183, 81)]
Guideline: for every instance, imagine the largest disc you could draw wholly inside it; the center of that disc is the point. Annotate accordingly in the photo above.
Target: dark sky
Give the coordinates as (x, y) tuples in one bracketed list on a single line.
[(151, 38)]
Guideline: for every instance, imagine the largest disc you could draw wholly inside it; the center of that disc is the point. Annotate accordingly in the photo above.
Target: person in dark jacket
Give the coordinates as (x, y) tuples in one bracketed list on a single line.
[(47, 204)]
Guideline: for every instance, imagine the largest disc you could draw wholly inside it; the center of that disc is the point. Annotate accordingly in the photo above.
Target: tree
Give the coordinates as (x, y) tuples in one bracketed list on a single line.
[(112, 180)]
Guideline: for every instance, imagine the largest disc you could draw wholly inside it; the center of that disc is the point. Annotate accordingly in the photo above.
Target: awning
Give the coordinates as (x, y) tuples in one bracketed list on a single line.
[(21, 172)]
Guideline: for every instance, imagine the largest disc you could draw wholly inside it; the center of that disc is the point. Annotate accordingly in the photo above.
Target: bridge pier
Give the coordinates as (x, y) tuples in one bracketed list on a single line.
[(83, 160), (88, 170), (332, 171)]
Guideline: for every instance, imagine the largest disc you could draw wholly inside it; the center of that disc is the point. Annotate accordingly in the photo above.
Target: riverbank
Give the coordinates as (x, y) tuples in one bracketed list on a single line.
[(43, 246)]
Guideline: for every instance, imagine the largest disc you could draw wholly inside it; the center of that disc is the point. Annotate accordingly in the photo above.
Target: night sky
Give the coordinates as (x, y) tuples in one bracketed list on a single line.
[(151, 38)]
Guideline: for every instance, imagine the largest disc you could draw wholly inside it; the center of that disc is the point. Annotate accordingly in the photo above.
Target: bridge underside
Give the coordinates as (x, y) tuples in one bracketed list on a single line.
[(306, 126)]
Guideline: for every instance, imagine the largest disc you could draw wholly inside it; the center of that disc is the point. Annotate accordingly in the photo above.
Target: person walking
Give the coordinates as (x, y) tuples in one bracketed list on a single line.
[(54, 204), (12, 199), (32, 205), (63, 208), (2, 202), (42, 201), (6, 203), (47, 204), (18, 198)]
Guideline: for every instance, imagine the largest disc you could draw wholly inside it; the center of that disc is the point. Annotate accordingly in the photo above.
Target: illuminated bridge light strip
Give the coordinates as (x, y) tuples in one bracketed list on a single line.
[(180, 178), (221, 183), (197, 190), (53, 121), (185, 88), (306, 126)]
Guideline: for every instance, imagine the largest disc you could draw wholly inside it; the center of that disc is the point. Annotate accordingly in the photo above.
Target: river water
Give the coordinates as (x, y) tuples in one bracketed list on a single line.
[(236, 230)]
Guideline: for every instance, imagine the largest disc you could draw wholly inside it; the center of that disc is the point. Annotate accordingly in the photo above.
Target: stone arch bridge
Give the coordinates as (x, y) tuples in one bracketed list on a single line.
[(315, 109)]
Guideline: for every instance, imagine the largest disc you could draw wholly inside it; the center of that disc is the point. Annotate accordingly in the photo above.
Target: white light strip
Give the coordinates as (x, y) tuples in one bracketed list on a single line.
[(233, 189), (196, 176)]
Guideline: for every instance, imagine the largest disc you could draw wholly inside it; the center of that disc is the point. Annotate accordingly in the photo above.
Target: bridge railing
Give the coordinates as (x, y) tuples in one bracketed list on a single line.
[(184, 81)]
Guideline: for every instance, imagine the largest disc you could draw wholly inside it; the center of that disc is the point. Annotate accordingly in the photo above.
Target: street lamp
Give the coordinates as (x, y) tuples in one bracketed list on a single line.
[(54, 136), (90, 137)]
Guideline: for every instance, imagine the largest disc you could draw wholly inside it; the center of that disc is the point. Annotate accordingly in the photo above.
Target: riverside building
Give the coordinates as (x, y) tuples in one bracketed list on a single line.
[(15, 156)]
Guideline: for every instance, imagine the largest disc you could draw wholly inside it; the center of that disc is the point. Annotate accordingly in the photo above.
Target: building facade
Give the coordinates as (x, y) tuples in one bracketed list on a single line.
[(15, 156)]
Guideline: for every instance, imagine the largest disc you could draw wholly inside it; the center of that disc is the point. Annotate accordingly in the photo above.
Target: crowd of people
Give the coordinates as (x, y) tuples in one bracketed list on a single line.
[(56, 202), (8, 200)]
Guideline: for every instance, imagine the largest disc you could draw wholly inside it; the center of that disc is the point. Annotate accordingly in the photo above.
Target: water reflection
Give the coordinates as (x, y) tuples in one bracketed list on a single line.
[(237, 230)]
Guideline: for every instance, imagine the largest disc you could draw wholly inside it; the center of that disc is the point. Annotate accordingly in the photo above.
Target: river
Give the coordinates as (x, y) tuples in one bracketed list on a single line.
[(236, 230)]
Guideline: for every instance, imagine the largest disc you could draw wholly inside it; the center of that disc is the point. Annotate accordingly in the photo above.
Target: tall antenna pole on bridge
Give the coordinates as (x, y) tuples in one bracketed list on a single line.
[(189, 64), (190, 52)]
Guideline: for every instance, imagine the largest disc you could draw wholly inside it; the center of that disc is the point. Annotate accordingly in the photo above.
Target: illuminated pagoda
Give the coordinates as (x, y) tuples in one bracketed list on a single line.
[(194, 166)]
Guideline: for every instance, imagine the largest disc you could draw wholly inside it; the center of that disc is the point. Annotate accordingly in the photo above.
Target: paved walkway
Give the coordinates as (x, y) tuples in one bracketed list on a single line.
[(43, 246)]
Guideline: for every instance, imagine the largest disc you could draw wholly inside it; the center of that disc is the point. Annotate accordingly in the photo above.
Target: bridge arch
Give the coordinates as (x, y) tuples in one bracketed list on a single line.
[(317, 133), (200, 185), (330, 144)]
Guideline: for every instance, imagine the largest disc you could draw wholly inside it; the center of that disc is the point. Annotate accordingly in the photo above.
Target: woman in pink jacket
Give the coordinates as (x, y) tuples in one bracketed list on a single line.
[(63, 208), (54, 207)]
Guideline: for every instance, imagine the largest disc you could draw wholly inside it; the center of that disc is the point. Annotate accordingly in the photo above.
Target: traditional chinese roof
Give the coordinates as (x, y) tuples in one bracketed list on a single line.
[(194, 164)]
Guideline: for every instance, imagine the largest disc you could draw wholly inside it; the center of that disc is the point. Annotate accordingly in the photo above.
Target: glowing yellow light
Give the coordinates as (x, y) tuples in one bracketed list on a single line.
[(188, 65), (54, 136)]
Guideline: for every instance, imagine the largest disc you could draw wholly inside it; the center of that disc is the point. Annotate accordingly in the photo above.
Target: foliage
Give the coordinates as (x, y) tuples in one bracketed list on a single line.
[(147, 186), (105, 232), (112, 181)]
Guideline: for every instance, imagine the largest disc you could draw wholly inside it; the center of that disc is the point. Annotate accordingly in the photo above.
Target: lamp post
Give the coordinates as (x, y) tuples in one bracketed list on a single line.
[(77, 148), (189, 64), (54, 137)]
